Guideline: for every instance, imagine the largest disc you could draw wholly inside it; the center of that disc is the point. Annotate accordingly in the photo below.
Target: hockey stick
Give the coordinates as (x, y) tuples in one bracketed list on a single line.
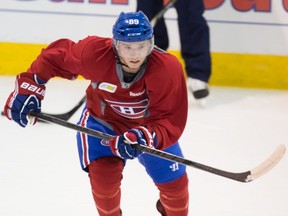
[(65, 116), (160, 14), (247, 176)]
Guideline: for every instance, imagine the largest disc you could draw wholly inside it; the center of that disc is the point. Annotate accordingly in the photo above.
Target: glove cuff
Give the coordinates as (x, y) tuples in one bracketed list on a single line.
[(38, 80), (30, 84), (148, 134)]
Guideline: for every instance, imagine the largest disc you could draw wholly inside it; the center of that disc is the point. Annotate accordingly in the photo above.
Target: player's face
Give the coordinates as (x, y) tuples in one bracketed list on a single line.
[(133, 54)]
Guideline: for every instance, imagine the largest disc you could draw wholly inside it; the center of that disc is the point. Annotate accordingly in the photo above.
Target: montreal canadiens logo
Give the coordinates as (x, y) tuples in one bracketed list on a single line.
[(131, 110), (105, 142)]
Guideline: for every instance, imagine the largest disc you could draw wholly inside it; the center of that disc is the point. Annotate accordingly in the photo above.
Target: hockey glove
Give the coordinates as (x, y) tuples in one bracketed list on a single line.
[(27, 95), (121, 145)]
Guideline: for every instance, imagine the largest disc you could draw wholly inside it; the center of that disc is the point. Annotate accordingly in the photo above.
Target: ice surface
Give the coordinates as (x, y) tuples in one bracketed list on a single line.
[(40, 173)]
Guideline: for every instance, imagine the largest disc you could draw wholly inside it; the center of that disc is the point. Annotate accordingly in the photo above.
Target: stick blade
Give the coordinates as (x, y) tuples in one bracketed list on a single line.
[(268, 164)]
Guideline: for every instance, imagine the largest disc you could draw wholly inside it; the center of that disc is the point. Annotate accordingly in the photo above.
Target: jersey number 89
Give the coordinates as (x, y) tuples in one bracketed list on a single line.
[(133, 21)]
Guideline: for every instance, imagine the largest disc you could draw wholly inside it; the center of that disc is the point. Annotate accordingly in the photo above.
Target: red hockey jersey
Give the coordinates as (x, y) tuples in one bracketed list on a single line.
[(156, 98)]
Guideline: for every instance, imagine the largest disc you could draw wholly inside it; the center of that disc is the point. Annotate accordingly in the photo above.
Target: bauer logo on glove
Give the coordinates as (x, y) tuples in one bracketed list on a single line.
[(39, 91), (27, 95)]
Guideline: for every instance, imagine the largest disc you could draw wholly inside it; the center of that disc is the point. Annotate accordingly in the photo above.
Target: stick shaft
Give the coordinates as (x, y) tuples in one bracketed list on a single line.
[(160, 14), (155, 152)]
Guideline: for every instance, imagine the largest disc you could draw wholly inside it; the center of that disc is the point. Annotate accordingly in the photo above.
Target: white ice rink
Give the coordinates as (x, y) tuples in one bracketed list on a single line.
[(40, 173)]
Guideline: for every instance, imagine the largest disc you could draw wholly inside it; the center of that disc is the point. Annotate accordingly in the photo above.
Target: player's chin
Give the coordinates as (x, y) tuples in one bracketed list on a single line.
[(134, 65)]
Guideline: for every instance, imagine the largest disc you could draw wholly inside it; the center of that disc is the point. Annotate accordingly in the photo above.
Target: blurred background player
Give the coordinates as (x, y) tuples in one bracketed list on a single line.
[(124, 99), (194, 39)]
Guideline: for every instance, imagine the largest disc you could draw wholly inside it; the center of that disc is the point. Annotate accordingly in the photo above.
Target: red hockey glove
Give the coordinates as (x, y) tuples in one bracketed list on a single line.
[(120, 145), (27, 95)]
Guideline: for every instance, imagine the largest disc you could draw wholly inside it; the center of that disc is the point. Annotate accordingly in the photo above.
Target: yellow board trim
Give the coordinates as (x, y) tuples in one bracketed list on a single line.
[(247, 70), (228, 69), (17, 57)]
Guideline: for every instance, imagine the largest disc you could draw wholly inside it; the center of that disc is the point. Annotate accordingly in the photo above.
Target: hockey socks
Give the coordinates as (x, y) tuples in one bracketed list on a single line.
[(174, 197), (105, 178)]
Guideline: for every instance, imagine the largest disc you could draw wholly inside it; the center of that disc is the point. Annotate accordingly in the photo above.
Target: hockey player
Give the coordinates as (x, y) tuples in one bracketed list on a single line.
[(194, 40), (137, 93)]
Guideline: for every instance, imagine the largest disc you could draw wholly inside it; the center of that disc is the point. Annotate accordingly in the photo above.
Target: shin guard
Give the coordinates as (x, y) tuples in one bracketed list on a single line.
[(105, 178), (174, 196)]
